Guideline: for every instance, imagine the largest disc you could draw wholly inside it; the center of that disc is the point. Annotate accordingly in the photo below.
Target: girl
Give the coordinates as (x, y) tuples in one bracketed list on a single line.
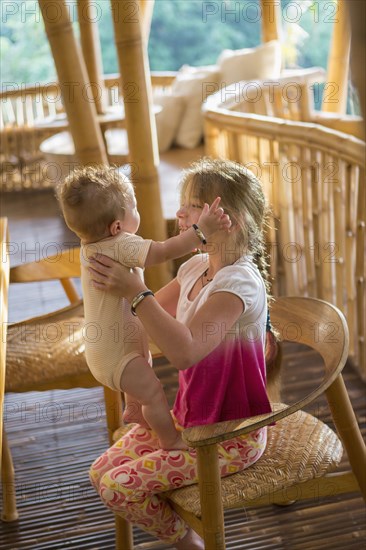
[(210, 323)]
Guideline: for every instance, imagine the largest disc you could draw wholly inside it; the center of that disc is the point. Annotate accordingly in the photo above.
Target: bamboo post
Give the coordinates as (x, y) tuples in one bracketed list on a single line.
[(4, 286), (90, 45), (271, 20), (357, 12), (335, 91), (140, 124), (146, 8), (73, 79)]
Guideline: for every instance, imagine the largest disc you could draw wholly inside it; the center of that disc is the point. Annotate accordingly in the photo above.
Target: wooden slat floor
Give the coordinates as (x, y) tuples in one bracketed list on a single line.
[(56, 435)]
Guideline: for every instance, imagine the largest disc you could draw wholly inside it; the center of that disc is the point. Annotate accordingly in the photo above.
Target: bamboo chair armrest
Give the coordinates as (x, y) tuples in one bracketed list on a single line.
[(209, 434)]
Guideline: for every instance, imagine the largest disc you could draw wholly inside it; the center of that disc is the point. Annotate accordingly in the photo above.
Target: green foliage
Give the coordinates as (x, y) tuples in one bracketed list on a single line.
[(183, 32), (25, 52)]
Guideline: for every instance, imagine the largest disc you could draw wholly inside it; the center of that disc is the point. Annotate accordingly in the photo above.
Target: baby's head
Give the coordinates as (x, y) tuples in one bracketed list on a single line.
[(241, 193), (92, 199)]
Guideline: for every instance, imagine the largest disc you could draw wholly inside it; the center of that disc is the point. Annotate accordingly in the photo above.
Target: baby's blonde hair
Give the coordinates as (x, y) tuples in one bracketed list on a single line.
[(242, 198), (91, 198)]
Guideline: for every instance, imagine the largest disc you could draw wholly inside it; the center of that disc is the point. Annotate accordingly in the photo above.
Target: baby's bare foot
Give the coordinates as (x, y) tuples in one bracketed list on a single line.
[(176, 445)]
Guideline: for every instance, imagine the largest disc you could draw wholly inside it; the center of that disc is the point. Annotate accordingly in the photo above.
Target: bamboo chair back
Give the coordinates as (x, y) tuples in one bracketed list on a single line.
[(63, 266), (314, 180)]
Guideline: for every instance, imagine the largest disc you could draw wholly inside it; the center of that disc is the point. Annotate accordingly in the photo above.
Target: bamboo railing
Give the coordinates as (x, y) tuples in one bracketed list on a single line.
[(314, 179), (24, 114)]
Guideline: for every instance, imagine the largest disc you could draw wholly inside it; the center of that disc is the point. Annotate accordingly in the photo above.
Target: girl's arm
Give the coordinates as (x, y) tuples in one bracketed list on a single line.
[(185, 345), (167, 297), (182, 345)]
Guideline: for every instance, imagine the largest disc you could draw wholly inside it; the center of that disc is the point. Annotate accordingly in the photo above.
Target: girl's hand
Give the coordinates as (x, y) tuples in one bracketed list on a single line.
[(213, 218), (114, 277)]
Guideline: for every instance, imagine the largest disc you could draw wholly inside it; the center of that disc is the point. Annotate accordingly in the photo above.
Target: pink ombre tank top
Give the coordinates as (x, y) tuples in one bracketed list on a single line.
[(230, 382)]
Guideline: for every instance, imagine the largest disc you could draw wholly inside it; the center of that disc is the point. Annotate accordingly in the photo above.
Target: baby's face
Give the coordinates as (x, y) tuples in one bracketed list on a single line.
[(131, 220)]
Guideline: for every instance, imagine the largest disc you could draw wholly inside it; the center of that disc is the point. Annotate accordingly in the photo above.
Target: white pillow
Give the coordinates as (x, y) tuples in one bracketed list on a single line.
[(195, 84), (169, 119), (251, 63)]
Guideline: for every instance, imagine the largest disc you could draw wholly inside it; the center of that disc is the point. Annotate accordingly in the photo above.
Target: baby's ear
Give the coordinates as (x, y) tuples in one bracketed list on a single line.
[(115, 227)]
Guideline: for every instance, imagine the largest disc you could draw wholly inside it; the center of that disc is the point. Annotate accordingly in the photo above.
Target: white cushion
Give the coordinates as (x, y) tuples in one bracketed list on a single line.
[(195, 84), (169, 119), (251, 63)]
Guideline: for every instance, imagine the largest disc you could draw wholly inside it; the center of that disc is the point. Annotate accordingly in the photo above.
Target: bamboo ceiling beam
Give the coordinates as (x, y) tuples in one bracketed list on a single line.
[(146, 10), (140, 124), (271, 20), (73, 79), (335, 92), (90, 45)]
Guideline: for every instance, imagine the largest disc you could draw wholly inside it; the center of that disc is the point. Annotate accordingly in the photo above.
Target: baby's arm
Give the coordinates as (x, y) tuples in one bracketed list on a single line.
[(211, 220)]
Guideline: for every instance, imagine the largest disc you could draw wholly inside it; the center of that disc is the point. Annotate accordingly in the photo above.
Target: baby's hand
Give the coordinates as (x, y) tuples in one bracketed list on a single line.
[(213, 218)]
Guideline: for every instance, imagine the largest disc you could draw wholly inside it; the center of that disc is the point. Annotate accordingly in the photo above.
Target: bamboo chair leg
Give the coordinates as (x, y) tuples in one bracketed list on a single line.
[(349, 432), (124, 535), (113, 408), (210, 495), (70, 290), (9, 512)]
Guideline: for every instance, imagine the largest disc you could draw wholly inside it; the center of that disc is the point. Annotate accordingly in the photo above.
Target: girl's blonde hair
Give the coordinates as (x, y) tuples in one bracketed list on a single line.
[(91, 198), (242, 198)]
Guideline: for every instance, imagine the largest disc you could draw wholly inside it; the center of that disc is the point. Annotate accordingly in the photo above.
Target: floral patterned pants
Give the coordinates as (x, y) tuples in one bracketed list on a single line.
[(130, 475)]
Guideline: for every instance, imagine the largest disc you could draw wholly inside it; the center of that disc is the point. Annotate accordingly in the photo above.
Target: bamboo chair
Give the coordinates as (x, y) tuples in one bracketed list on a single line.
[(302, 452), (35, 363), (301, 449)]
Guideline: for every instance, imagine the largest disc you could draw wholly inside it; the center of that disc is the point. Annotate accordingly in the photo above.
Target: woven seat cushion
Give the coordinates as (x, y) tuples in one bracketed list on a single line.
[(45, 348), (300, 447)]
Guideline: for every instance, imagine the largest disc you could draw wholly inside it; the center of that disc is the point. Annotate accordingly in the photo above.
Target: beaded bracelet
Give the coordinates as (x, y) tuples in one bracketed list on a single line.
[(138, 299), (199, 233)]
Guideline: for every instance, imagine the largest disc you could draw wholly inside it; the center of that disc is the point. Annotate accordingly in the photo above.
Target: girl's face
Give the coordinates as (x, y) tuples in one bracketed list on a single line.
[(189, 210), (188, 213)]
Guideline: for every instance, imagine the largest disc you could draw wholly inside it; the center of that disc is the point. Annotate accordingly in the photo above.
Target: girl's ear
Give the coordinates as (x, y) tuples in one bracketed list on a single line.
[(234, 227), (115, 227)]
